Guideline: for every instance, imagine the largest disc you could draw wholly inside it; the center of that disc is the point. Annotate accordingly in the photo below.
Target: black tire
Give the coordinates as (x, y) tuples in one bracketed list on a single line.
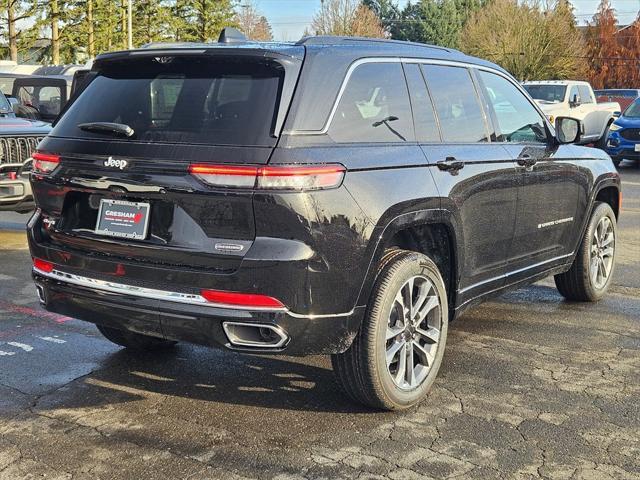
[(616, 161), (362, 370), (578, 283), (134, 341)]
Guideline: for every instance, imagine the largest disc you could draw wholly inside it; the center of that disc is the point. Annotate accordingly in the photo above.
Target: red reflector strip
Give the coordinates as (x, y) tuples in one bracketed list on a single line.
[(241, 299), (44, 162), (43, 265)]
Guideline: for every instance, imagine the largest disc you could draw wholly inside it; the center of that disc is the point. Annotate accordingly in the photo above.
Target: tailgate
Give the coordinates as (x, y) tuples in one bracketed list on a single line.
[(177, 111)]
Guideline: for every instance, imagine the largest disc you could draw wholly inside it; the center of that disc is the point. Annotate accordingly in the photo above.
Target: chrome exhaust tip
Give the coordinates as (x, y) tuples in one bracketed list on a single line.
[(255, 335), (41, 295)]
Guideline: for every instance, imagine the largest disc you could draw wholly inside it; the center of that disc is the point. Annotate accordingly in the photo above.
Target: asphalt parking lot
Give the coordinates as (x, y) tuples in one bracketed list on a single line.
[(531, 386)]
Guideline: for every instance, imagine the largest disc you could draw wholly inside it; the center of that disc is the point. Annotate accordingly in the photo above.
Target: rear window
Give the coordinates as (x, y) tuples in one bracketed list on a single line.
[(195, 100)]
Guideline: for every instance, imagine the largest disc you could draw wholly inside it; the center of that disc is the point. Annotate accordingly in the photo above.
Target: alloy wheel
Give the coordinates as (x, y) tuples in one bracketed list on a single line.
[(413, 332), (602, 252)]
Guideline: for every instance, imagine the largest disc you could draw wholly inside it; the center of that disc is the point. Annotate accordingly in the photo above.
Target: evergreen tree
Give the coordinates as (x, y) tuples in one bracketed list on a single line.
[(430, 21), (13, 11), (152, 21), (386, 10), (203, 20)]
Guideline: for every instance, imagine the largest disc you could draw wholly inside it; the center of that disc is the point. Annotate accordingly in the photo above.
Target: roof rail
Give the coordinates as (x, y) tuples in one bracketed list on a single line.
[(337, 40)]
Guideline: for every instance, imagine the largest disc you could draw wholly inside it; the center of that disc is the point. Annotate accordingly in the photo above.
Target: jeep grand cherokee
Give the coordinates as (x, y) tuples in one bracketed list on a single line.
[(335, 196)]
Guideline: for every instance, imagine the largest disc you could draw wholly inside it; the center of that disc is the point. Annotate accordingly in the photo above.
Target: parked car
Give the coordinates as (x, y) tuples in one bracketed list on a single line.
[(334, 196), (577, 100), (37, 97), (18, 140), (624, 135), (624, 96)]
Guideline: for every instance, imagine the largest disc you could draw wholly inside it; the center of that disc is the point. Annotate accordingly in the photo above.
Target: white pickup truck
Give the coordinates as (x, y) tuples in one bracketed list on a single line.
[(568, 98)]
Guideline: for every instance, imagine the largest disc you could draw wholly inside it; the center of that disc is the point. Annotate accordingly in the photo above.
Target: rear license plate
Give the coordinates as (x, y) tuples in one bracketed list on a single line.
[(118, 218), (637, 147)]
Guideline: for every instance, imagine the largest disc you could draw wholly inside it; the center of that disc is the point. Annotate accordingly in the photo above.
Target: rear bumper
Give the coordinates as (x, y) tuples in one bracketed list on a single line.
[(183, 316)]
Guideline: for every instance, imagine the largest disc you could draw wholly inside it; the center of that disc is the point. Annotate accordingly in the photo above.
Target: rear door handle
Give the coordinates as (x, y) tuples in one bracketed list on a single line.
[(451, 165), (527, 160)]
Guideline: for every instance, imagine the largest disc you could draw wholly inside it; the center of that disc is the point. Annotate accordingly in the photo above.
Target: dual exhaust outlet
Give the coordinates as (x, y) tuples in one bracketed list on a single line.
[(255, 335), (240, 334)]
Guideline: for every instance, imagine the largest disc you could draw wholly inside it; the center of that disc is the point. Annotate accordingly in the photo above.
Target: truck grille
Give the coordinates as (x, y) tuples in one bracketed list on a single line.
[(631, 134), (17, 149)]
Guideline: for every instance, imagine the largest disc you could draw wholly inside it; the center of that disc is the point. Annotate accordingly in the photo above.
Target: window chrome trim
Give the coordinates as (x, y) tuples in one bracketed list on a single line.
[(429, 61), (166, 295), (343, 87)]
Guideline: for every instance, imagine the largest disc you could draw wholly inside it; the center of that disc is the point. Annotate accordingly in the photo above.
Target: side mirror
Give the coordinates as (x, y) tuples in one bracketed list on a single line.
[(575, 101), (568, 130), (617, 114), (13, 101)]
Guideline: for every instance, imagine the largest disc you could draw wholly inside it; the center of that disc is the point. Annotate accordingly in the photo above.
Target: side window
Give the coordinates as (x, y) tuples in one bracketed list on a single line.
[(573, 93), (49, 100), (374, 106), (457, 104), (517, 120), (585, 94), (423, 116)]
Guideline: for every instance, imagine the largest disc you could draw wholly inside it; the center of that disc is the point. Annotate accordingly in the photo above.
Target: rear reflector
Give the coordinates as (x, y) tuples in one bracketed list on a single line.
[(44, 162), (241, 299), (43, 265), (312, 177)]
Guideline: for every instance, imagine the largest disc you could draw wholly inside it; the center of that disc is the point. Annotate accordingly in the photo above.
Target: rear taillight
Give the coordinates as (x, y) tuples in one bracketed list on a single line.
[(308, 177), (241, 299), (44, 162), (42, 265)]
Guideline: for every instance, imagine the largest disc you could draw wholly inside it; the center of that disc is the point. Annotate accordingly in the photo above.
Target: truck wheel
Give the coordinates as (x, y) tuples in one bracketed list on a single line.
[(590, 275), (616, 161), (394, 359), (602, 142), (134, 341)]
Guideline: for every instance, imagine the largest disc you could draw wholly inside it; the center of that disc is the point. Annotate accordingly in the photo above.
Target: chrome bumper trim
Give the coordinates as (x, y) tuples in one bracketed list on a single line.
[(155, 294)]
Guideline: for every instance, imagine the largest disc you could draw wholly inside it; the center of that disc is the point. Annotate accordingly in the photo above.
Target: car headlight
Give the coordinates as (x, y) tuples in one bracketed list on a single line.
[(614, 127)]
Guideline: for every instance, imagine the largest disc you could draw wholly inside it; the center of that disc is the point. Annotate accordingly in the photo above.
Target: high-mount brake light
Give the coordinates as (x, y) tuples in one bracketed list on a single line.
[(241, 299), (44, 162), (42, 265), (307, 177)]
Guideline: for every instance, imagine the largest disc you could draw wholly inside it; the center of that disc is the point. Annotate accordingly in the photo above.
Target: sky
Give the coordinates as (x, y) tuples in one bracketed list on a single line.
[(289, 18)]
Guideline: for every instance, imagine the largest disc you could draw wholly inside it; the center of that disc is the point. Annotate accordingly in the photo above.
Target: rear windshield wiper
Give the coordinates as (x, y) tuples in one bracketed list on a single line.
[(107, 127)]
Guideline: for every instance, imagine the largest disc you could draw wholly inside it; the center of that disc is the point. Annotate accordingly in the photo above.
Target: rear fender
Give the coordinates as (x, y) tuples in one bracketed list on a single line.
[(383, 234)]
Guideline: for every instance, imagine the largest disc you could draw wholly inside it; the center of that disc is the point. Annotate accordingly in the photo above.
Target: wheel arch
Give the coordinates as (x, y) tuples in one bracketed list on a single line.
[(430, 232), (610, 194)]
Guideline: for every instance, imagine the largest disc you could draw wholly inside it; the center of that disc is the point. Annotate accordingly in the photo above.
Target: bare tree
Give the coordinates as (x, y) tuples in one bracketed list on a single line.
[(347, 17), (532, 40), (254, 25)]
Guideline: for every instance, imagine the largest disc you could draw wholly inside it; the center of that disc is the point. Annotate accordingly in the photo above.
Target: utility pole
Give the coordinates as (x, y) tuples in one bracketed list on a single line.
[(129, 22)]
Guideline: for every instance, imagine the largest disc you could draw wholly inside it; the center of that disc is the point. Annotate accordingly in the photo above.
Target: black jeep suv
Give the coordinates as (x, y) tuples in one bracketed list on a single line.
[(335, 196)]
